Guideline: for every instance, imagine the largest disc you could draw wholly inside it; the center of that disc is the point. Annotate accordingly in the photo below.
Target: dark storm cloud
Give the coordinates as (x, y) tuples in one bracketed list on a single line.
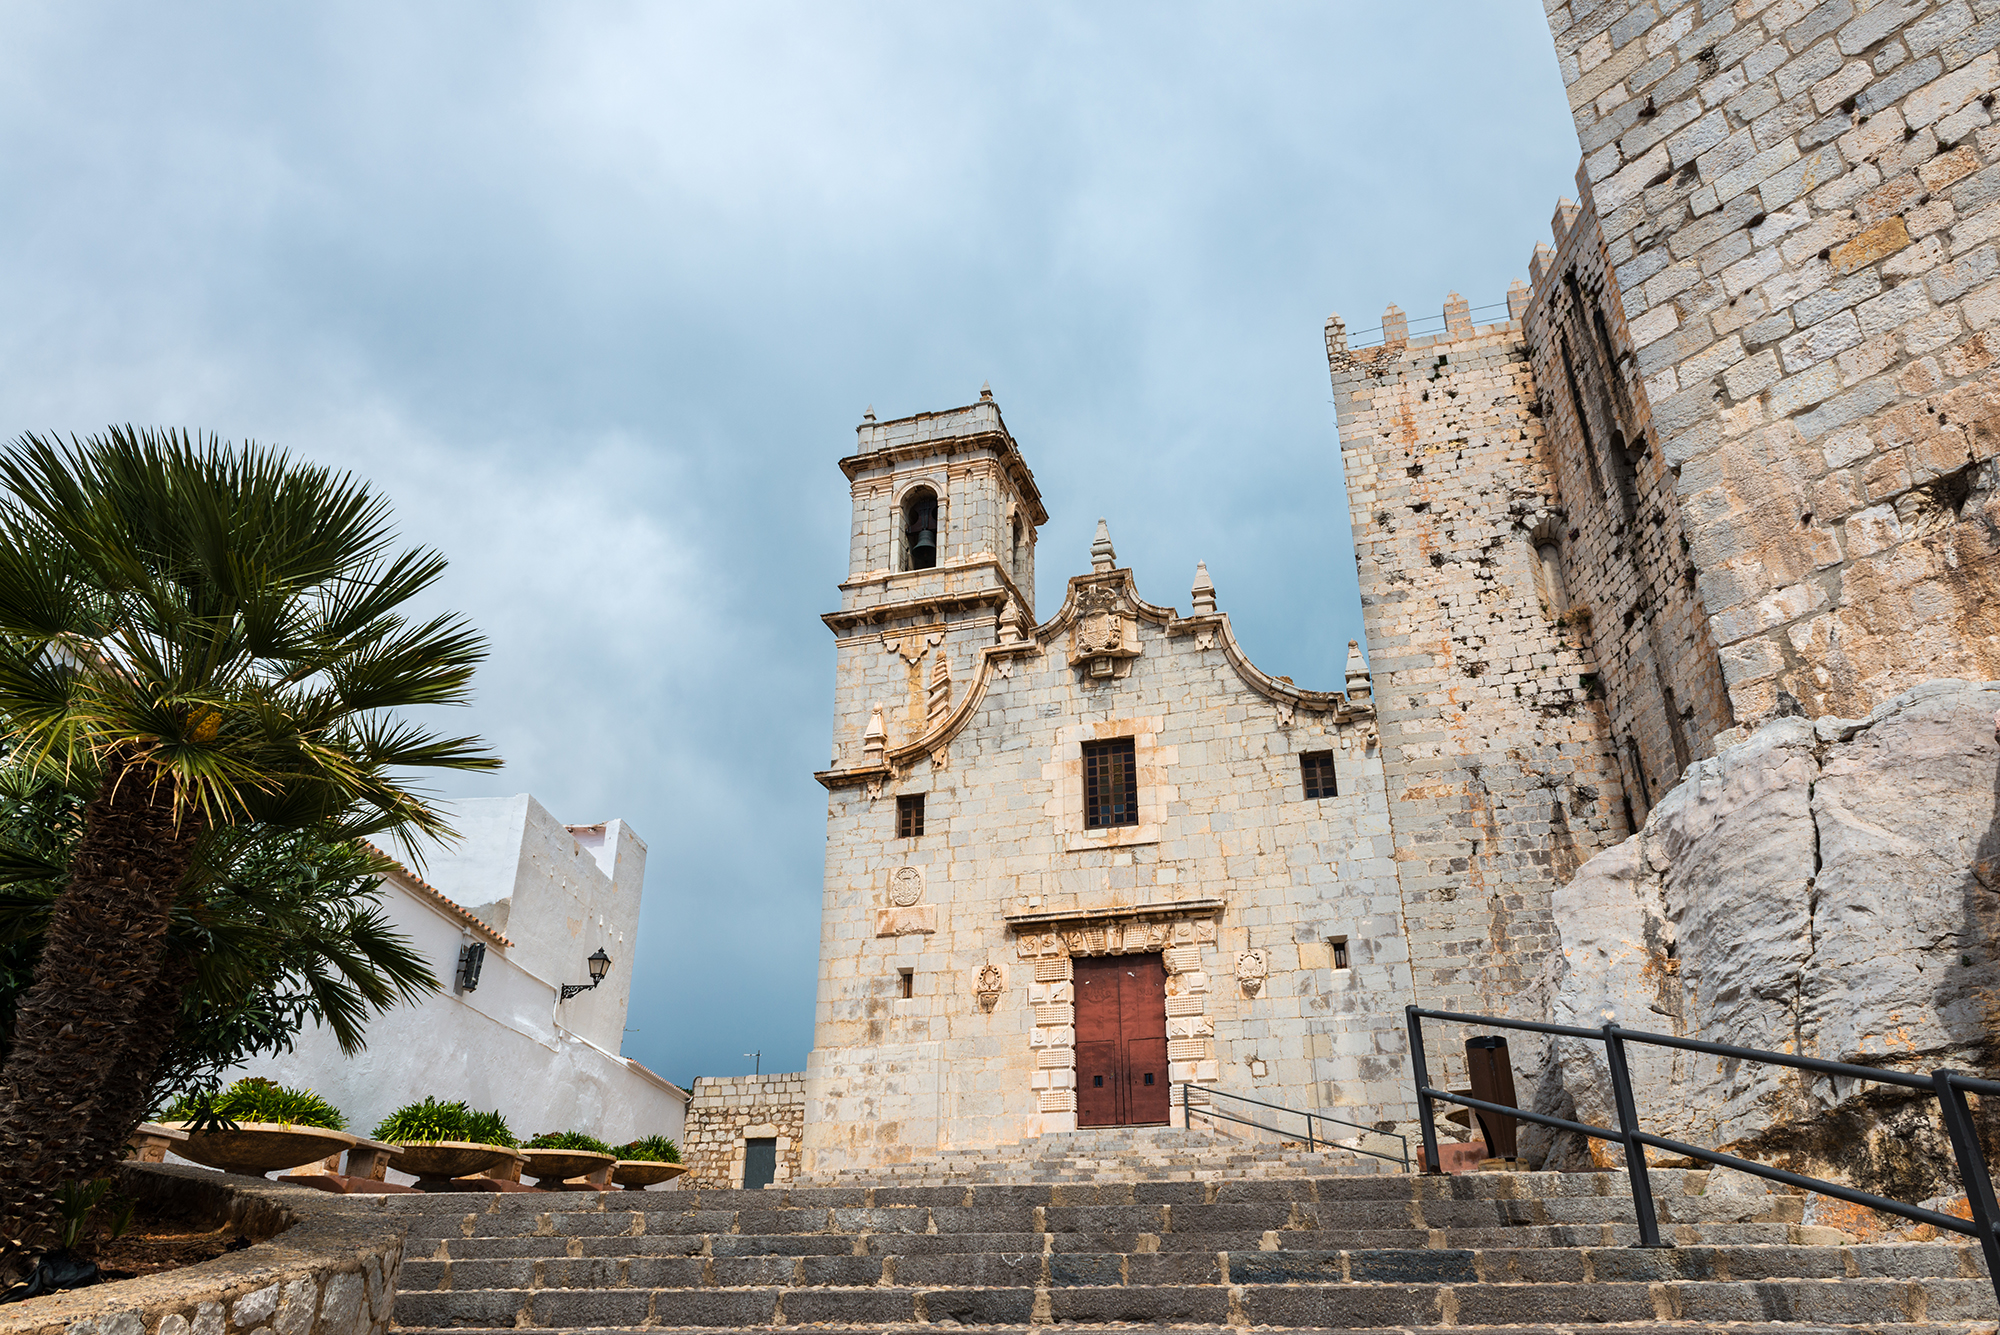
[(597, 293)]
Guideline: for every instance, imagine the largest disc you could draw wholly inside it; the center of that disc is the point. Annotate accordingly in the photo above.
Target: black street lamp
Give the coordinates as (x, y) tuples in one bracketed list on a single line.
[(600, 964)]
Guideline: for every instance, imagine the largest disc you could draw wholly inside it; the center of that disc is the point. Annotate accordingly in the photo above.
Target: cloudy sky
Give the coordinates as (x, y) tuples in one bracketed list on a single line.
[(598, 292)]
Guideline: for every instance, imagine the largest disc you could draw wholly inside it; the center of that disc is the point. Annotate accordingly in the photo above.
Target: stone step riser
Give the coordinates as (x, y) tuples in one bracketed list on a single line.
[(1667, 1184), (903, 1244), (1233, 1218), (1084, 1269), (1334, 1306)]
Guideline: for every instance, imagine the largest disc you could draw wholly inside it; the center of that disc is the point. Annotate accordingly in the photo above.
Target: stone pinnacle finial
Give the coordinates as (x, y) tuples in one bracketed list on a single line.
[(1358, 685), (1204, 589), (874, 738), (1395, 325), (1517, 299), (1336, 333), (1457, 316), (986, 392), (868, 413), (1102, 557)]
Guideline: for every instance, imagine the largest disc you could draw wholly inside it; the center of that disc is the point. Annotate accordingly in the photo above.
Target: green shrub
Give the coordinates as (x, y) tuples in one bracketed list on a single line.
[(651, 1149), (570, 1140), (434, 1120), (255, 1099)]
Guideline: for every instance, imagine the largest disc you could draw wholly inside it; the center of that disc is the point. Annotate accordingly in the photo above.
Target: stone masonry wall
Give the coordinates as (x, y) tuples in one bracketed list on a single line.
[(728, 1110), (1495, 754), (1622, 573), (1800, 203)]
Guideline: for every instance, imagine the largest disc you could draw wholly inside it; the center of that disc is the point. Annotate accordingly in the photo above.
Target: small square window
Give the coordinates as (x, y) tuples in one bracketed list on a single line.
[(910, 816), (906, 980), (1339, 945), (1317, 769), (1110, 784)]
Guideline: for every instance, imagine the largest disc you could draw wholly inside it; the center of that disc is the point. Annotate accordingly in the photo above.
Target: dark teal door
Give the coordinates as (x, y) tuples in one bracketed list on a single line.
[(760, 1162)]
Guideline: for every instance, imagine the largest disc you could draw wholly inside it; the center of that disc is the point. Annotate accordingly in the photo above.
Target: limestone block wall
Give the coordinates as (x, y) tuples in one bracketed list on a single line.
[(726, 1111), (1496, 756), (1241, 884), (1621, 578), (1800, 204)]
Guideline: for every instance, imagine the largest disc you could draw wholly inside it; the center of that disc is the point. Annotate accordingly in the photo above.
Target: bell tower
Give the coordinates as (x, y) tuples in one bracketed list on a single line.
[(941, 563)]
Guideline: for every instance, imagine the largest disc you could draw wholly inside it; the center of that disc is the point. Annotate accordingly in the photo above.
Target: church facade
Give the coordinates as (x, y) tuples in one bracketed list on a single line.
[(1079, 871)]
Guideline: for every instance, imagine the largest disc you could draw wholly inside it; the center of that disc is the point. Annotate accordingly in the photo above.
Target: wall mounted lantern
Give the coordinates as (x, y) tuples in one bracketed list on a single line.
[(600, 964)]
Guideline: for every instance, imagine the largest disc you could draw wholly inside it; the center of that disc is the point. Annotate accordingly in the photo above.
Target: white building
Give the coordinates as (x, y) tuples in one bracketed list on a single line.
[(531, 900)]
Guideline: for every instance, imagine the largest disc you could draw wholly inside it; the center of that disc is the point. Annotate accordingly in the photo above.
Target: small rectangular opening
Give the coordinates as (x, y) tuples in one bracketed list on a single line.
[(910, 816), (1339, 944), (1316, 768), (906, 983), (1110, 784)]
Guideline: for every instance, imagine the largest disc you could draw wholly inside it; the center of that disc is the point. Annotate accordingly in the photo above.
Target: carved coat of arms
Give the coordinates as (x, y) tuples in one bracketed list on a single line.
[(1251, 969)]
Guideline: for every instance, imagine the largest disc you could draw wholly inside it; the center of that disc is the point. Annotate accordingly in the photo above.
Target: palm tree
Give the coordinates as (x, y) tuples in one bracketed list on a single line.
[(216, 632)]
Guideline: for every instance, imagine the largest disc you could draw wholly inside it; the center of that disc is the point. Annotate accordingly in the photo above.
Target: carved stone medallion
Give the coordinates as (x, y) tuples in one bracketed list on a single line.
[(988, 986), (1251, 970), (906, 887)]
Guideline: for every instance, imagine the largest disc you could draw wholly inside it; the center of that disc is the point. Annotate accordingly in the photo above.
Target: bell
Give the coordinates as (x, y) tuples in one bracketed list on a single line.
[(926, 543)]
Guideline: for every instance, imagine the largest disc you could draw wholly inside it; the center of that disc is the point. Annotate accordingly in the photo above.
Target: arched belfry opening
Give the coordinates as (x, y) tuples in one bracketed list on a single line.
[(920, 513)]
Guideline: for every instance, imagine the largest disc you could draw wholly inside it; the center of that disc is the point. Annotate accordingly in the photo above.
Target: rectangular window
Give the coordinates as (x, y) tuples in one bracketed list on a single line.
[(909, 816), (906, 980), (1317, 769), (1339, 945), (1110, 784)]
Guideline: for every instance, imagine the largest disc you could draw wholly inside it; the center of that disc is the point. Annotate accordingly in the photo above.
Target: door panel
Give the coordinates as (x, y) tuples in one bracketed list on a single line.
[(1121, 1041), (1149, 1100)]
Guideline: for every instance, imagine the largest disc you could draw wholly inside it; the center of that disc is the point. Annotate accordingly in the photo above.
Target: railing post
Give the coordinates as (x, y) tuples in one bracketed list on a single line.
[(1635, 1153), (1423, 1078), (1971, 1170)]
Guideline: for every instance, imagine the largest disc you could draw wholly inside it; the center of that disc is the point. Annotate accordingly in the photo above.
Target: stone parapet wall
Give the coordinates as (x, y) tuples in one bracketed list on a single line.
[(1800, 206), (1620, 577), (320, 1265), (1495, 751), (728, 1110)]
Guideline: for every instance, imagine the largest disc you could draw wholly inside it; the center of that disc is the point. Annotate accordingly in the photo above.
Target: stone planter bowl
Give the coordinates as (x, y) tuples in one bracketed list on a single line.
[(256, 1148), (437, 1161), (644, 1172), (550, 1167)]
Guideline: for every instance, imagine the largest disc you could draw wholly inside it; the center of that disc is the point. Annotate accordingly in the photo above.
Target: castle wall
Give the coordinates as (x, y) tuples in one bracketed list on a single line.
[(1496, 757), (1621, 579), (1800, 204)]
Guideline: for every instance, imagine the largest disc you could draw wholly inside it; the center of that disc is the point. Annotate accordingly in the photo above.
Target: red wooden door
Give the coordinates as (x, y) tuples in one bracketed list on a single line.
[(1121, 1041)]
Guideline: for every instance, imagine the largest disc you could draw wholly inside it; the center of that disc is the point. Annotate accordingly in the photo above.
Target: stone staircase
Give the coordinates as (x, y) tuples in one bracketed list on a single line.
[(1517, 1252), (1127, 1154)]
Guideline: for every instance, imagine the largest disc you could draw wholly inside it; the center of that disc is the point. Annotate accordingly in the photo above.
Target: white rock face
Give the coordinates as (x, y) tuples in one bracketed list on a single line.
[(1824, 887)]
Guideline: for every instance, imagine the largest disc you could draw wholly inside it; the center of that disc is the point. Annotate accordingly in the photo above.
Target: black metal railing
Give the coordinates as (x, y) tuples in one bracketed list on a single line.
[(1948, 1087), (1316, 1138)]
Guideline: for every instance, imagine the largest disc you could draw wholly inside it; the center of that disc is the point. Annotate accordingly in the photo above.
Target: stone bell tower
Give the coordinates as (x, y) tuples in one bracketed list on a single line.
[(941, 563)]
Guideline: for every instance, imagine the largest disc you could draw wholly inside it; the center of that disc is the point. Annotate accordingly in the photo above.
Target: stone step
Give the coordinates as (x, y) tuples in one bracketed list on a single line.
[(1254, 1217), (1667, 1183), (533, 1246), (897, 1267), (1647, 1327), (1265, 1297)]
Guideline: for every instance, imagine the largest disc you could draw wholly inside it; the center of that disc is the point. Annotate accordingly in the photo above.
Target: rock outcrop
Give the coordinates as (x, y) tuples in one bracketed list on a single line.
[(1826, 887)]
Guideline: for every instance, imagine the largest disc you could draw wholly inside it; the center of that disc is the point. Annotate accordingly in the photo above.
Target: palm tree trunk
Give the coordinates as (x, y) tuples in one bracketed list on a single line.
[(88, 1004)]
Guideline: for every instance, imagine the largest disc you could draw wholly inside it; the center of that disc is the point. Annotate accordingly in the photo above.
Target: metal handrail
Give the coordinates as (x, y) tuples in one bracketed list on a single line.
[(1948, 1087), (1313, 1141)]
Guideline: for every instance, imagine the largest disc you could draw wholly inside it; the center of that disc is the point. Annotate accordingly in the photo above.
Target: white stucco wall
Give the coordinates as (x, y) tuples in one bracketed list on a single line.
[(511, 1044)]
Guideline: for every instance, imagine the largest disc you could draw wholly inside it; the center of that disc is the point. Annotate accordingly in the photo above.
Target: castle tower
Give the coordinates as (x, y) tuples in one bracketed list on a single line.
[(941, 562)]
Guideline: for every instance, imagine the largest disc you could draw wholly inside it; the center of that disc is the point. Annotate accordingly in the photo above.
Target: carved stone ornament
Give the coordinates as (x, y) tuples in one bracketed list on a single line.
[(1103, 632), (988, 986), (1252, 968), (906, 887)]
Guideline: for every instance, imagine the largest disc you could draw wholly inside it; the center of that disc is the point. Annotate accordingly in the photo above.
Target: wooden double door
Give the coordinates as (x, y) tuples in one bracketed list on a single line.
[(1121, 1041)]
